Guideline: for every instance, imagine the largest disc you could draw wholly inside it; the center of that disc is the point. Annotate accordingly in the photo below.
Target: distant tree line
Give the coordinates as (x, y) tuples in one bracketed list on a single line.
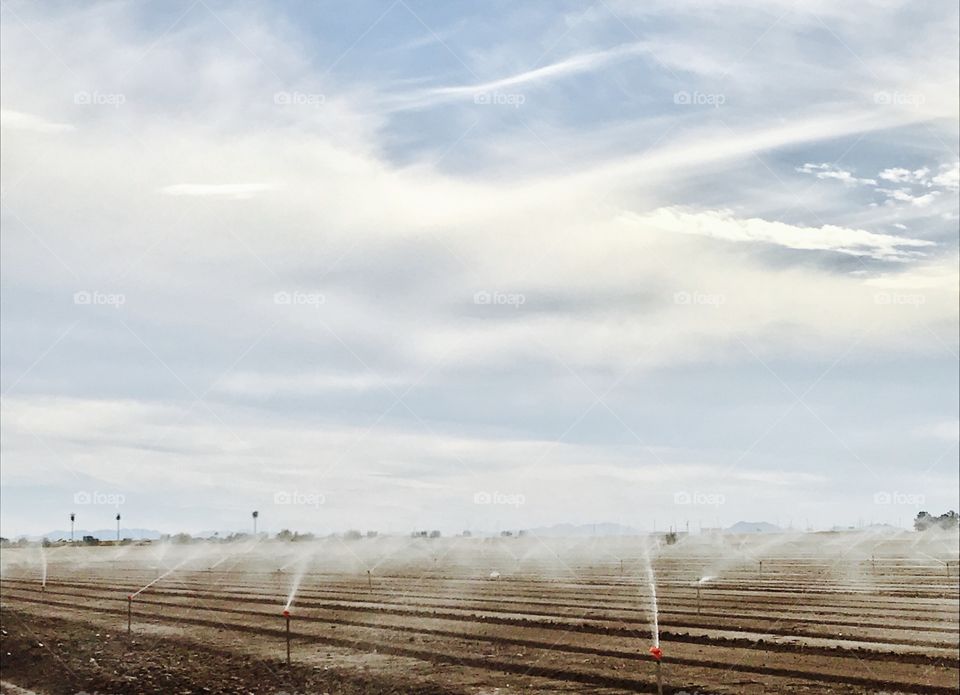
[(925, 520)]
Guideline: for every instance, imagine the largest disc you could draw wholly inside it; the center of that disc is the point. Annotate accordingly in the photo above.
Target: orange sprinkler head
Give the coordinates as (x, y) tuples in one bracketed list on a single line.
[(286, 614), (129, 597), (656, 653)]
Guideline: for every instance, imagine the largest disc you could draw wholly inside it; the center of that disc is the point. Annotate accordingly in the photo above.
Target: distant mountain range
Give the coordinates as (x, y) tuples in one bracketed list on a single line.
[(753, 527)]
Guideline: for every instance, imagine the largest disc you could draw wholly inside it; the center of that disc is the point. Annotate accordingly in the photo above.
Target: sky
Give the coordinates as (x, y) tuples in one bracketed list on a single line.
[(412, 265)]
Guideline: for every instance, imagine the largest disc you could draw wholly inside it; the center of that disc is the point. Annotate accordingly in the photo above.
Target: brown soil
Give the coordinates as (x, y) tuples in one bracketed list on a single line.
[(805, 626), (58, 656)]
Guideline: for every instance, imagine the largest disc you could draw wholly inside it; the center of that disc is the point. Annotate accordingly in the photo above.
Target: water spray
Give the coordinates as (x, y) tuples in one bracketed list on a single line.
[(655, 650), (657, 655), (286, 616), (701, 582)]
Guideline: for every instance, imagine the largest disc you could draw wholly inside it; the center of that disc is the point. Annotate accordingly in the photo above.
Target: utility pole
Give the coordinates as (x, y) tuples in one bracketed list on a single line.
[(118, 527), (73, 517), (255, 516)]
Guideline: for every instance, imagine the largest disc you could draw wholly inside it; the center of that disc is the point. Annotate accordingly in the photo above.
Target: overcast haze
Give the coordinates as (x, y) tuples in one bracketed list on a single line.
[(351, 265)]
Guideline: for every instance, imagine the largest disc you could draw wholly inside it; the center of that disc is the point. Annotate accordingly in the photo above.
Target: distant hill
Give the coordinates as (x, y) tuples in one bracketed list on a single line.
[(754, 527), (573, 531)]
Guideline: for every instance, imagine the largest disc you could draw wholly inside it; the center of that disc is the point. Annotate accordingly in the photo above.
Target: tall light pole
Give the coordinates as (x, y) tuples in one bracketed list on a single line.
[(73, 517), (118, 527), (255, 515)]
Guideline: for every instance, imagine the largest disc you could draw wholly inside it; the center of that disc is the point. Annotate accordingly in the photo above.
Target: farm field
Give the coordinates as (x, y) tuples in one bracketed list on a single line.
[(852, 612)]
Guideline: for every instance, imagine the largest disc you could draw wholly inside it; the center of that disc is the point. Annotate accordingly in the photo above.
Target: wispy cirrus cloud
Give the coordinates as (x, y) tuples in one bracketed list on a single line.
[(723, 224), (576, 64)]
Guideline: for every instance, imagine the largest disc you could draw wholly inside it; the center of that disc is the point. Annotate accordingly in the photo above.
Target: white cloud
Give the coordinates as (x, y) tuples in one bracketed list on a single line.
[(947, 430), (900, 175), (17, 120), (905, 195), (219, 190), (949, 176), (309, 383), (829, 171)]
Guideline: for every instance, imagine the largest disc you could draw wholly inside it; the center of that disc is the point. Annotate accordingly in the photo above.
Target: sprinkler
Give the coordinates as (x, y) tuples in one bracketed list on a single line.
[(698, 596), (761, 568), (657, 655), (369, 581), (129, 613), (286, 615)]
